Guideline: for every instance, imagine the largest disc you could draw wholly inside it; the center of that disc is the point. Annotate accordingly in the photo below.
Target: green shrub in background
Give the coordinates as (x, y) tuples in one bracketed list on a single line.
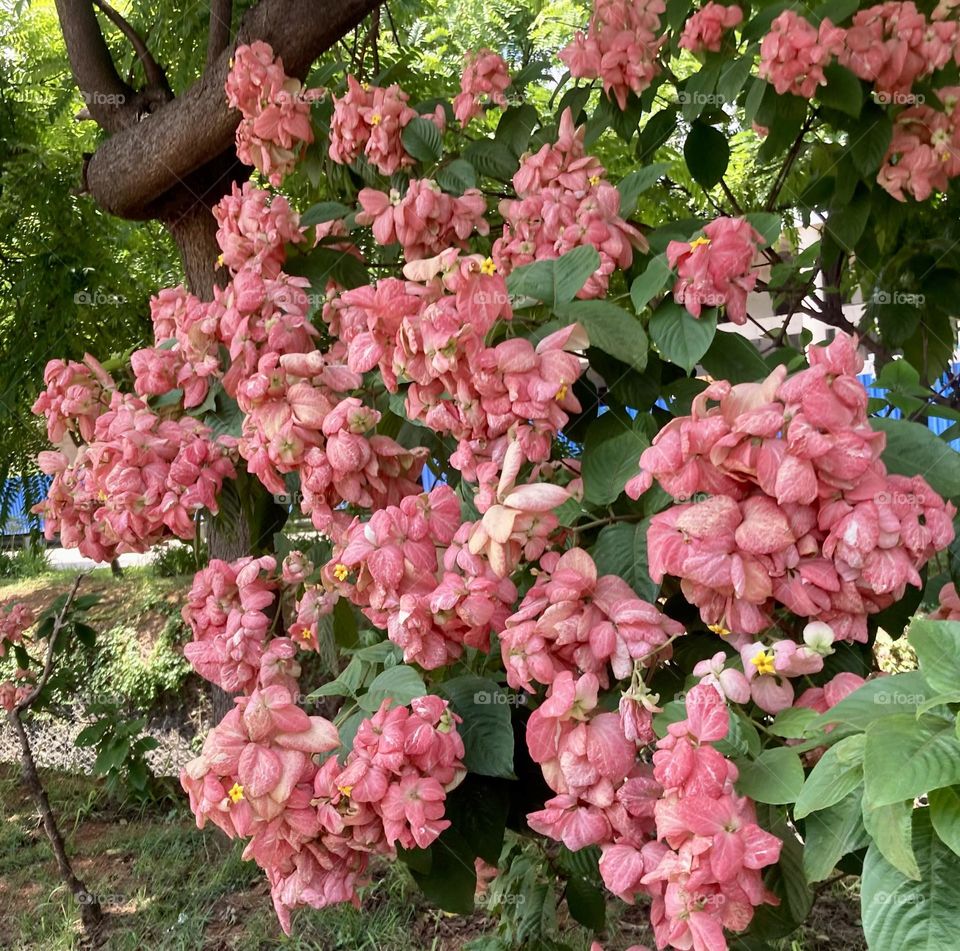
[(27, 562), (174, 559)]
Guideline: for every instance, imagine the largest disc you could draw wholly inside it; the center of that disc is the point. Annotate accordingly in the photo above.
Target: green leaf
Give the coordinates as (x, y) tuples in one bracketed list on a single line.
[(731, 356), (830, 834), (653, 280), (610, 329), (839, 771), (842, 91), (907, 756), (660, 126), (456, 177), (323, 211), (898, 913), (775, 776), (632, 186), (621, 550), (452, 880), (890, 828), (869, 140), (421, 138), (768, 223), (478, 809), (945, 814), (557, 281), (323, 264), (586, 903), (492, 159), (912, 449), (937, 644), (879, 699), (486, 731), (401, 684), (845, 225), (91, 735), (680, 337), (707, 154), (734, 75), (793, 723), (611, 456), (516, 126)]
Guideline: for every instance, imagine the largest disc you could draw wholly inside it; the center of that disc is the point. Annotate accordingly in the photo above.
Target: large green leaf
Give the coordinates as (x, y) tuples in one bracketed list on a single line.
[(557, 281), (632, 186), (653, 280), (830, 834), (907, 756), (621, 550), (707, 154), (611, 456), (451, 881), (900, 914), (945, 813), (610, 329), (890, 828), (937, 644), (486, 730), (733, 357), (401, 684), (680, 337), (775, 776), (879, 699), (421, 138), (839, 771)]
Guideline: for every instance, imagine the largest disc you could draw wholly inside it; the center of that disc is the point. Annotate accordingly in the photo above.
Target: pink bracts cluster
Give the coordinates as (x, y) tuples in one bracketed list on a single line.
[(572, 620), (370, 120), (313, 828), (702, 865), (924, 153), (75, 396), (485, 77), (228, 611), (141, 478), (705, 29), (564, 202), (14, 620), (620, 47), (409, 572), (799, 511), (426, 220), (716, 269), (794, 53), (275, 108)]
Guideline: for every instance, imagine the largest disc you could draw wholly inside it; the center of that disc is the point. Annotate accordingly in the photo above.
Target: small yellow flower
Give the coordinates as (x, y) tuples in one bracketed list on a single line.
[(346, 790), (697, 242), (340, 571), (488, 267), (763, 661), (376, 119), (594, 179), (561, 393), (219, 260), (718, 629), (306, 634), (236, 792)]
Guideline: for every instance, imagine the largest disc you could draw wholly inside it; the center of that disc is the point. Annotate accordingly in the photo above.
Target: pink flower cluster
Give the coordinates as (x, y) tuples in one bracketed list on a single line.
[(430, 331), (797, 509), (892, 45), (485, 76), (141, 478), (564, 202), (426, 220), (228, 611), (296, 421), (620, 47), (716, 269), (275, 109), (411, 574), (702, 865), (949, 607), (14, 620), (924, 153), (370, 120), (794, 53), (313, 828), (572, 621), (705, 29), (76, 395), (189, 358)]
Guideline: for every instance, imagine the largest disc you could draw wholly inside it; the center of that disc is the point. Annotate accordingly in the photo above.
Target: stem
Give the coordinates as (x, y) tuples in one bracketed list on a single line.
[(635, 517)]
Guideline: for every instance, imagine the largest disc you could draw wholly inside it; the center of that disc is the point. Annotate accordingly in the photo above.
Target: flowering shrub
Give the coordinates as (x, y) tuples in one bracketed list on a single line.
[(598, 573)]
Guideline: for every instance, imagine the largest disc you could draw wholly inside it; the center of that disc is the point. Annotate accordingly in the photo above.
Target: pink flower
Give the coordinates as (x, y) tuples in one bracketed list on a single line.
[(704, 30), (485, 75), (794, 53)]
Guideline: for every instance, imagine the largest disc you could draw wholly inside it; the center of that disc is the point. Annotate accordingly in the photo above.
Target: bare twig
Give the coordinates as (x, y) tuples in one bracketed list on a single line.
[(156, 77)]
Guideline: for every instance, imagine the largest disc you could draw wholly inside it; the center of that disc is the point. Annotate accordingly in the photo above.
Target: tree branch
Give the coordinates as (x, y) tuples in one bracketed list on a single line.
[(218, 35), (152, 70), (145, 172)]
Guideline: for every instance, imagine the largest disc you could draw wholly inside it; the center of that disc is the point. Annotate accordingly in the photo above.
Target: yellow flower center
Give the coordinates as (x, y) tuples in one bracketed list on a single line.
[(488, 267), (376, 119), (340, 571), (763, 661), (561, 393), (594, 179), (346, 790), (697, 242), (305, 634), (718, 629), (236, 792), (219, 260)]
